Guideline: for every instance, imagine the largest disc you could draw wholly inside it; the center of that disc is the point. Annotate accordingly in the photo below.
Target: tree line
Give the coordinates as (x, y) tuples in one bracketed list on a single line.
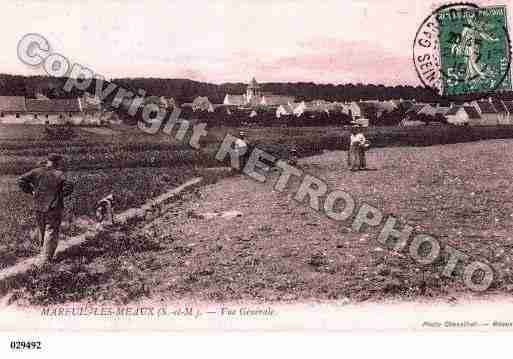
[(184, 90)]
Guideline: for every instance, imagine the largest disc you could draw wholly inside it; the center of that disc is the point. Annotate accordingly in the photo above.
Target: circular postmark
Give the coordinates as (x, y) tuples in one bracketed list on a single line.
[(464, 50)]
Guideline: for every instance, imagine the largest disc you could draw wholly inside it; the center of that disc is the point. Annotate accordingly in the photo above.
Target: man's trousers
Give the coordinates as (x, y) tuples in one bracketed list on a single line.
[(49, 225)]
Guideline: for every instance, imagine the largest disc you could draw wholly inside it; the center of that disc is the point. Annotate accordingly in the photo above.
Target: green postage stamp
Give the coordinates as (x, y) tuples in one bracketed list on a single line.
[(470, 47)]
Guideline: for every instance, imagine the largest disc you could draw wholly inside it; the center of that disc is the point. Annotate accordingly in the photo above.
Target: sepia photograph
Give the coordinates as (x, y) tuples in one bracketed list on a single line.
[(286, 165)]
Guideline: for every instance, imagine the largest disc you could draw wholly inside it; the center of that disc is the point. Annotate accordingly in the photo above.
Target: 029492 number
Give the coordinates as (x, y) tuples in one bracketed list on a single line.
[(22, 345)]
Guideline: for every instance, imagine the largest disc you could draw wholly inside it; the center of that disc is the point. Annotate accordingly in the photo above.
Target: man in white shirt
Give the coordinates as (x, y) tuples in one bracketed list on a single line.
[(241, 148), (358, 146), (358, 138)]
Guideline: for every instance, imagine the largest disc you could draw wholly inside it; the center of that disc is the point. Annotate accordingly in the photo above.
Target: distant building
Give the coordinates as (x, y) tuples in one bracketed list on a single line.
[(254, 96), (509, 109), (487, 112), (463, 115), (326, 106), (285, 110), (271, 100), (414, 109), (40, 96), (300, 109), (441, 113), (54, 112), (363, 110), (253, 91), (428, 111), (381, 107), (396, 102), (167, 102), (404, 105), (503, 116), (235, 100), (356, 110), (91, 110), (423, 112), (12, 108), (411, 122), (202, 104), (19, 110)]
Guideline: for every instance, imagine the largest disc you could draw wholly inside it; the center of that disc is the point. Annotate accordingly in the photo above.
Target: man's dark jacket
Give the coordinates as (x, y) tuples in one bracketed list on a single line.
[(48, 187)]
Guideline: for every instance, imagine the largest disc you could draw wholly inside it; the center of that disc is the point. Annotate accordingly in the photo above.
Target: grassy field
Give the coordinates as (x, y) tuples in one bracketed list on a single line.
[(280, 250), (21, 147), (136, 166), (131, 187), (10, 134)]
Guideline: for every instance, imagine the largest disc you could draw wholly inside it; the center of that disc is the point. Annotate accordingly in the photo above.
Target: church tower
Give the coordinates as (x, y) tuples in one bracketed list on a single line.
[(253, 90)]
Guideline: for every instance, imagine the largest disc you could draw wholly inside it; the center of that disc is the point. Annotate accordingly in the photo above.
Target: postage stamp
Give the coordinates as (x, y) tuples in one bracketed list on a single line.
[(469, 50)]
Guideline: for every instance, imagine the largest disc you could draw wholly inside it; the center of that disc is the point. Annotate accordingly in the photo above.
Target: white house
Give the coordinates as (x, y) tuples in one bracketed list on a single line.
[(509, 108), (420, 112), (54, 111), (462, 115), (202, 103), (322, 106), (254, 96), (487, 112), (12, 108), (362, 109), (300, 109), (381, 107), (15, 109), (234, 100), (19, 110), (503, 114), (406, 122), (276, 100), (90, 108), (285, 110)]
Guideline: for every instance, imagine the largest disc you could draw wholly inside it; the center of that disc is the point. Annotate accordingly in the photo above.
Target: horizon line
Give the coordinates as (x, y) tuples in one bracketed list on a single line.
[(222, 83)]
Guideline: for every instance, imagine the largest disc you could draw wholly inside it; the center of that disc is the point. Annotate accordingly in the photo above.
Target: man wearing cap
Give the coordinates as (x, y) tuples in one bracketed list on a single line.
[(48, 187)]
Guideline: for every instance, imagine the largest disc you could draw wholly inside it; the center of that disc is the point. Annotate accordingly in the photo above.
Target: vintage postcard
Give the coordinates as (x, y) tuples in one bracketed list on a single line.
[(255, 166)]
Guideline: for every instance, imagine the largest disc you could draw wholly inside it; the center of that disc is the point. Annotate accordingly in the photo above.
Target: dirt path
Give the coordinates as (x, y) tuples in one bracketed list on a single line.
[(280, 249)]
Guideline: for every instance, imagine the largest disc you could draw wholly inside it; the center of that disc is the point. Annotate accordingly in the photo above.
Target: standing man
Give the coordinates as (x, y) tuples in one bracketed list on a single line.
[(293, 156), (241, 147), (48, 187), (352, 153), (358, 146), (363, 148)]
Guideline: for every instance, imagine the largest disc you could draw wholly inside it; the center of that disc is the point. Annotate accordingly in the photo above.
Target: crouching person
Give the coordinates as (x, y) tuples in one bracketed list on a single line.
[(105, 210), (48, 186)]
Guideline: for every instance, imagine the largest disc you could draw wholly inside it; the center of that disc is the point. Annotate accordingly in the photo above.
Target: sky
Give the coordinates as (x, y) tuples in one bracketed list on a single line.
[(342, 41)]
